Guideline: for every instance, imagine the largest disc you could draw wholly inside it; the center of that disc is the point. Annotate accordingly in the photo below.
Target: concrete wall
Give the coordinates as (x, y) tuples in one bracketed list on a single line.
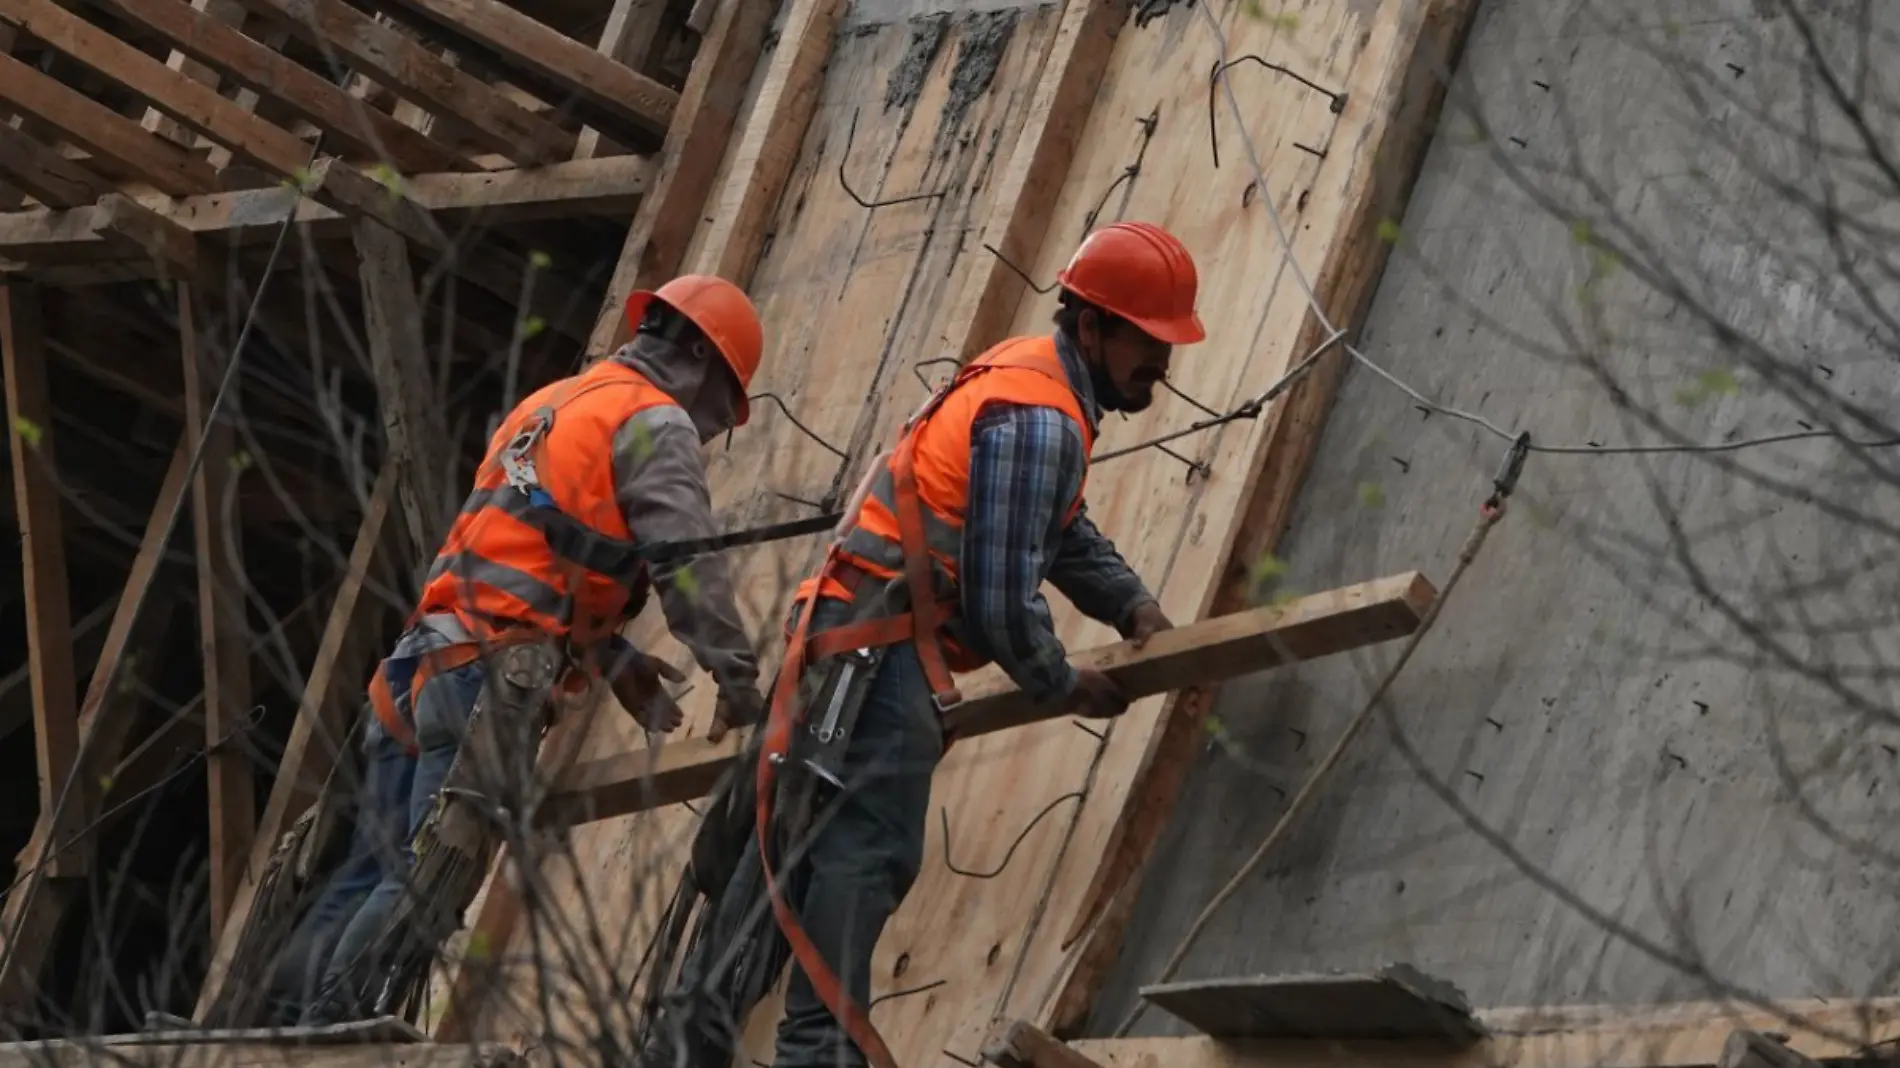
[(1651, 738)]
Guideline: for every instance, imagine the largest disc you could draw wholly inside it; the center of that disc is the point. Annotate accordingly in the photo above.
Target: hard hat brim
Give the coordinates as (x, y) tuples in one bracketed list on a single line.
[(637, 303), (1188, 331)]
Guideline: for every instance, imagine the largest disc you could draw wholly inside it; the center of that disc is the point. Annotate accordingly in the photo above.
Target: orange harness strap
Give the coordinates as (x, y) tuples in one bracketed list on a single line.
[(446, 658), (776, 746)]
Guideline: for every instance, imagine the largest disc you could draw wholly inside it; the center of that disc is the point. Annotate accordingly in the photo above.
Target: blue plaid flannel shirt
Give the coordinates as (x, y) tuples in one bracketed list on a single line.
[(1026, 464)]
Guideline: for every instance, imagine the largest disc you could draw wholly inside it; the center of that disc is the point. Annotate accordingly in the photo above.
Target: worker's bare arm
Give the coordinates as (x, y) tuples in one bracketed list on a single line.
[(660, 483)]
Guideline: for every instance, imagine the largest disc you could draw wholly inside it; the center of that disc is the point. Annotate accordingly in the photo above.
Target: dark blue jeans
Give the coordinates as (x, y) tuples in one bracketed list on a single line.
[(382, 793), (398, 794), (862, 861)]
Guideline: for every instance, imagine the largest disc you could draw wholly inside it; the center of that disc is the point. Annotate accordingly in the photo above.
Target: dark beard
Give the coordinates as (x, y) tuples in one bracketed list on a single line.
[(1112, 399)]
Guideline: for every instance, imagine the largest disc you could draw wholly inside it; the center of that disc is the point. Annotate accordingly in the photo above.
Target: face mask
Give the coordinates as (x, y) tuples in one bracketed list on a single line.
[(1106, 395)]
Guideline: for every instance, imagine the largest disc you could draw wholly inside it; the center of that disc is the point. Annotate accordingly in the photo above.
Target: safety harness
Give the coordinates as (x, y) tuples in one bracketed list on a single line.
[(577, 548), (920, 624)]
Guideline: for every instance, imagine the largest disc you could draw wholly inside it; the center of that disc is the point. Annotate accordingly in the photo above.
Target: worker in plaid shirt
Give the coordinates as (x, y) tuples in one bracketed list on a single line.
[(995, 466)]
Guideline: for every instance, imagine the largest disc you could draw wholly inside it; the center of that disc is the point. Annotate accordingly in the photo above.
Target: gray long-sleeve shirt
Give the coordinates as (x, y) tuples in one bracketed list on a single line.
[(660, 484)]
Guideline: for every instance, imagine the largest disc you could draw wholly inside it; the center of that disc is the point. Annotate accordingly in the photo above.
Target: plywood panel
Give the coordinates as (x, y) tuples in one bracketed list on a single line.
[(850, 296)]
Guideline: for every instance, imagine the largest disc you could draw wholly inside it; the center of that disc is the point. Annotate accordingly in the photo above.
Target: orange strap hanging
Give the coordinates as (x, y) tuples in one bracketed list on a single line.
[(775, 747)]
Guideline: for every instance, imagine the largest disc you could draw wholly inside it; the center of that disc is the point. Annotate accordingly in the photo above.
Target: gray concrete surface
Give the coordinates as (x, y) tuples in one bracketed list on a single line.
[(1649, 751)]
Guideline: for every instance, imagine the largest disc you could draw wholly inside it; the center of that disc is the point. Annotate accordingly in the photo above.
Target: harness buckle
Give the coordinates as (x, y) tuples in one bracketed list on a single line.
[(947, 700), (517, 457)]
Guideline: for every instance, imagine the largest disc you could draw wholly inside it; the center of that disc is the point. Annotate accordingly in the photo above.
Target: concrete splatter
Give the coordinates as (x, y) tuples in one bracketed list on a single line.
[(907, 78), (985, 40)]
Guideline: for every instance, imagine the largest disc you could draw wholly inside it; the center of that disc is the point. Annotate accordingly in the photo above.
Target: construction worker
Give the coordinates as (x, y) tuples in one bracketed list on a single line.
[(579, 474), (937, 568)]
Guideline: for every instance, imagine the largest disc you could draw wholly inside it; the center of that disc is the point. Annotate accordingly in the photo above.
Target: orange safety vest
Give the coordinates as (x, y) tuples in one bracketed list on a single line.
[(869, 569), (496, 572), (897, 567)]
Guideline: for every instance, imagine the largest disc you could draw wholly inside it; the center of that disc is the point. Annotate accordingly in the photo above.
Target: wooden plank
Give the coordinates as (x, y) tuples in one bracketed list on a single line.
[(633, 27), (223, 632), (764, 155), (1019, 1044), (174, 92), (49, 639), (1395, 1003), (309, 95), (631, 106), (497, 270), (79, 1053), (103, 132), (1752, 1049), (310, 753), (1317, 625), (607, 187), (422, 78), (224, 11), (105, 720), (152, 234), (1032, 183), (40, 171), (662, 230), (1684, 1035), (1393, 96), (413, 432)]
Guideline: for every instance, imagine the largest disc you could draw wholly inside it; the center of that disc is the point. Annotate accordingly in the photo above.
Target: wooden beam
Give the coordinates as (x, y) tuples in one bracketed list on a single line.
[(632, 107), (633, 26), (104, 132), (766, 151), (223, 633), (657, 243), (607, 187), (35, 903), (308, 94), (151, 234), (196, 105), (1224, 647), (1019, 1044), (414, 434), (422, 78), (49, 638), (1393, 95), (316, 737), (1752, 1049), (40, 171), (225, 11), (1684, 1035), (1027, 192), (494, 269)]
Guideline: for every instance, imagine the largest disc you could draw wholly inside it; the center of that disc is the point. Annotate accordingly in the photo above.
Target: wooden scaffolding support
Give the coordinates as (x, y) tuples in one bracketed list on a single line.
[(453, 153)]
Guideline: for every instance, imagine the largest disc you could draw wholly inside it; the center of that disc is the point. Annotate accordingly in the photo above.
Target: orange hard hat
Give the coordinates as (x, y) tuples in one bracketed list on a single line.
[(722, 312), (1142, 273)]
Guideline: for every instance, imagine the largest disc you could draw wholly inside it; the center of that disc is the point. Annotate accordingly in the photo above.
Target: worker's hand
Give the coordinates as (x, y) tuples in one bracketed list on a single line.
[(1147, 621), (736, 708), (636, 680), (1097, 696)]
